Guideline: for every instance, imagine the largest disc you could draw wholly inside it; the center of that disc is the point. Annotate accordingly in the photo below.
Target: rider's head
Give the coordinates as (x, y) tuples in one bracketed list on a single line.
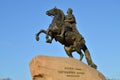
[(69, 11)]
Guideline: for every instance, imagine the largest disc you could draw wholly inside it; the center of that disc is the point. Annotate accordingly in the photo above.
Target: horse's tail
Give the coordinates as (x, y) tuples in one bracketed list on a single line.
[(88, 57)]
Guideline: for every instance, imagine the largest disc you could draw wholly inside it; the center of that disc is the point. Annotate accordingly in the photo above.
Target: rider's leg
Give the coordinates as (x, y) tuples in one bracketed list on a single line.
[(62, 33)]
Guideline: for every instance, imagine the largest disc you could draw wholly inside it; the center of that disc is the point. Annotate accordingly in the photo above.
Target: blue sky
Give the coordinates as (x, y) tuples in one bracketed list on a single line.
[(97, 20)]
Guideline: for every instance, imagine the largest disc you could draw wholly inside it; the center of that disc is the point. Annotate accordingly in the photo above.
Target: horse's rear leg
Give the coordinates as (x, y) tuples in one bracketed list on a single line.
[(81, 54), (78, 50), (68, 51)]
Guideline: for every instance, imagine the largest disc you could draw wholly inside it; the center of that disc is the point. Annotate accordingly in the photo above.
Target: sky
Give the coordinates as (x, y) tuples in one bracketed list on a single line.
[(97, 20)]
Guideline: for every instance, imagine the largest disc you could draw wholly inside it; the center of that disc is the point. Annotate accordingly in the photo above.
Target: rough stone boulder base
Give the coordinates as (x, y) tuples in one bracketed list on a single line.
[(57, 68)]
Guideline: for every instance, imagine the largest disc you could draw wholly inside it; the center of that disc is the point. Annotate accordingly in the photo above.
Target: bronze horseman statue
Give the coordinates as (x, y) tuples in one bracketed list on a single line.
[(63, 29)]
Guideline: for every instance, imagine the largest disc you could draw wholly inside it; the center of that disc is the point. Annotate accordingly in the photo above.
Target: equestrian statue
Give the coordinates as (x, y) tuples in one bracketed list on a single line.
[(63, 29)]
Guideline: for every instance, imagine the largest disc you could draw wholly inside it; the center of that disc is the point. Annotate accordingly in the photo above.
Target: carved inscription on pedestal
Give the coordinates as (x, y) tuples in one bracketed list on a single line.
[(71, 72)]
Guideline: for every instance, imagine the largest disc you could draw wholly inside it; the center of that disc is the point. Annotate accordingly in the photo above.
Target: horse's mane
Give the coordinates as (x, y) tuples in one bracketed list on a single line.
[(62, 15)]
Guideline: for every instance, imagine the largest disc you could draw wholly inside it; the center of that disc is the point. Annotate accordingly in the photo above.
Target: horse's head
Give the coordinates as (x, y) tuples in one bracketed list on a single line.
[(57, 21), (52, 12)]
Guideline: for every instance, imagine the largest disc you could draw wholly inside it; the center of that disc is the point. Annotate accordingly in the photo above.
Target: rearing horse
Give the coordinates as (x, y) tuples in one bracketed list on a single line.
[(72, 40)]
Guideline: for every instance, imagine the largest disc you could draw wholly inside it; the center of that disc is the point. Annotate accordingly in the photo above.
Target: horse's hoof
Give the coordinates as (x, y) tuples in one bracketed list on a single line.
[(37, 38), (48, 41)]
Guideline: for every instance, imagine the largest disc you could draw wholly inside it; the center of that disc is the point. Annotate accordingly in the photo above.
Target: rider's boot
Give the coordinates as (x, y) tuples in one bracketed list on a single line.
[(61, 35)]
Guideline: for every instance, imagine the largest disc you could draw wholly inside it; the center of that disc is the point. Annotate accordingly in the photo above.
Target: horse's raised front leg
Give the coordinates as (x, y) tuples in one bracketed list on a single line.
[(48, 40), (41, 31)]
